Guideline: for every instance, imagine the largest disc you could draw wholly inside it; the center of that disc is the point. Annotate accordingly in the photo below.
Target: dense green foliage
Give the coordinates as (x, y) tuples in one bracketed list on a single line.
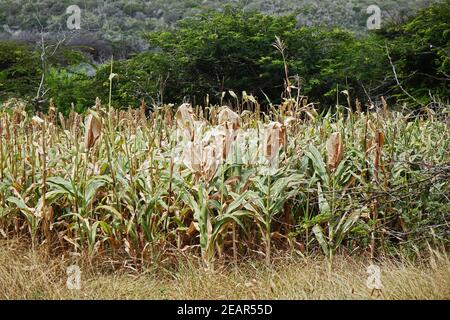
[(121, 21), (215, 52), (19, 70), (218, 52), (421, 51)]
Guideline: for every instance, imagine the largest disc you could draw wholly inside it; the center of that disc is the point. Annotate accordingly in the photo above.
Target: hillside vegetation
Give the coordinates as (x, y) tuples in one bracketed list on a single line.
[(208, 55), (117, 23)]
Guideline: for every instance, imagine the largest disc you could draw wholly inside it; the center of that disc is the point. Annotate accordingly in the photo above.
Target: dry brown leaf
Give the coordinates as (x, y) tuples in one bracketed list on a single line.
[(192, 229), (289, 121), (186, 120), (229, 118), (209, 165), (378, 143), (385, 106), (379, 139), (335, 150), (233, 180), (275, 139), (93, 131), (191, 157), (277, 235)]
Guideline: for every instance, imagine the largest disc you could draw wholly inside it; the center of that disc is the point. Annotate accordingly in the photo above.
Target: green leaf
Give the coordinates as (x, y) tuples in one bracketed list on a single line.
[(324, 206), (62, 184), (321, 239), (92, 186), (21, 205), (110, 209), (318, 163)]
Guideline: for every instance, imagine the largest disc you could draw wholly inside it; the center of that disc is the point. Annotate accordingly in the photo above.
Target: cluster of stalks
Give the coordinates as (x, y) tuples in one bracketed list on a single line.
[(190, 179)]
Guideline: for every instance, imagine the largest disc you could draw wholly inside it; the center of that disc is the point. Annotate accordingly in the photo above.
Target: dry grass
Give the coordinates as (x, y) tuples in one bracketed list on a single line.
[(25, 274)]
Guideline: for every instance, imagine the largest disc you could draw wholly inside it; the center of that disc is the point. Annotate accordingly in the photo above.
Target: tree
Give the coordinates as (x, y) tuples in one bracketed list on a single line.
[(420, 51), (19, 70)]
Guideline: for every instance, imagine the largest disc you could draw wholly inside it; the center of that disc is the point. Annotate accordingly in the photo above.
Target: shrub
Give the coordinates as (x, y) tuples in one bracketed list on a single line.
[(19, 70)]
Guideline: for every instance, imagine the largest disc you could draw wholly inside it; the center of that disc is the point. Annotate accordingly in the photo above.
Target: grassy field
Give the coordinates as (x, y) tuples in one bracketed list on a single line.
[(26, 274)]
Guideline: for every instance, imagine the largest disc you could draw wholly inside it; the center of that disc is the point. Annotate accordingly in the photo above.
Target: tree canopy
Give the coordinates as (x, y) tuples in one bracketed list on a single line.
[(215, 52)]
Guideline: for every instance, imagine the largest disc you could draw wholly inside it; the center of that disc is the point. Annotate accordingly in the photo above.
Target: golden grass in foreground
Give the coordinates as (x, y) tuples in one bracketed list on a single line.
[(29, 275)]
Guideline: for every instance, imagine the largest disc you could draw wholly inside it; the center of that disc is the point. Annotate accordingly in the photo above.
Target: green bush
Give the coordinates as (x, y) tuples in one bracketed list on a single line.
[(215, 52), (420, 49), (232, 50), (19, 71), (69, 88)]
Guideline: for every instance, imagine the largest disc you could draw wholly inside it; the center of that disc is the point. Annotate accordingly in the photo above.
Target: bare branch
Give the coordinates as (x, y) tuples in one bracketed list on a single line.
[(398, 82)]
